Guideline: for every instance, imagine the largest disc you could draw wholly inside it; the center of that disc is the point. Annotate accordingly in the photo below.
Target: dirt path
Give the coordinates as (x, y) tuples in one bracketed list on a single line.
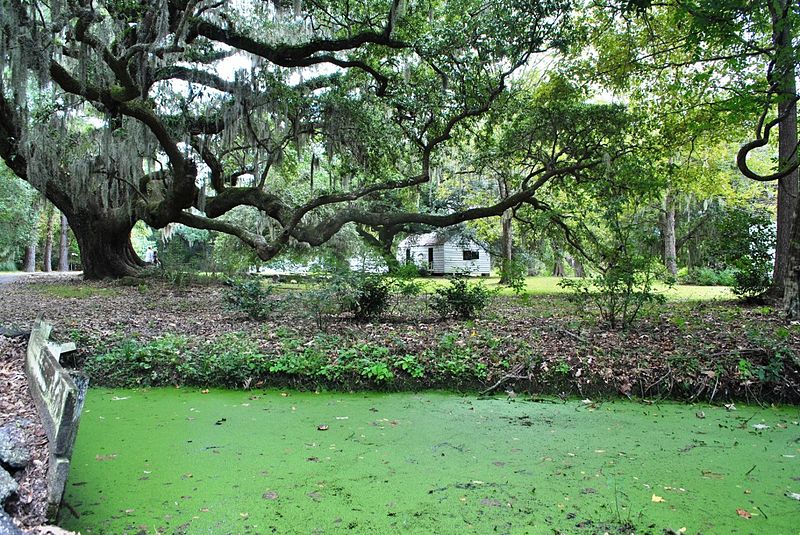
[(8, 278), (18, 276)]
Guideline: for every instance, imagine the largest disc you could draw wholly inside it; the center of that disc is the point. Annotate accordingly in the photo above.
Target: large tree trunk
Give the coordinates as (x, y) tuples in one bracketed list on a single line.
[(507, 244), (577, 266), (791, 289), (668, 234), (47, 254), (63, 245), (383, 244), (106, 249), (101, 224), (787, 140), (29, 264), (558, 261), (506, 236)]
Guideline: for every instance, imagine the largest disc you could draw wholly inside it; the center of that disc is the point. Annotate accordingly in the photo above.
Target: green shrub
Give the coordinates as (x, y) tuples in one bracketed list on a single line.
[(620, 292), (404, 281), (370, 296), (249, 296), (746, 240), (512, 274), (308, 362), (752, 279), (378, 372), (365, 295), (460, 299), (232, 360), (706, 276), (411, 365)]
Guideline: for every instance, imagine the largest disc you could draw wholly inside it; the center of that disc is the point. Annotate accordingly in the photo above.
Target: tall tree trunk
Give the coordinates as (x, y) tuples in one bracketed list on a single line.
[(668, 234), (506, 235), (577, 266), (30, 256), (101, 225), (29, 262), (784, 74), (558, 261), (506, 244), (106, 249), (47, 254), (63, 245)]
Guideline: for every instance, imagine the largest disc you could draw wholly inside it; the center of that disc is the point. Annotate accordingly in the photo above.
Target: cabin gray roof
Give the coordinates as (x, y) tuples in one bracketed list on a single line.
[(431, 239)]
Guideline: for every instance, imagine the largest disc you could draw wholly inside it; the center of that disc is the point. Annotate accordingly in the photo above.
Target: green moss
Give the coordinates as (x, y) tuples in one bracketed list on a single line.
[(181, 461)]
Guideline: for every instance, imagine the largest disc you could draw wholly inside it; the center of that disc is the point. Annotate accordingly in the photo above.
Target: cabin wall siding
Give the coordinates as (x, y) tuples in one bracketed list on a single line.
[(438, 259), (454, 258), (448, 257)]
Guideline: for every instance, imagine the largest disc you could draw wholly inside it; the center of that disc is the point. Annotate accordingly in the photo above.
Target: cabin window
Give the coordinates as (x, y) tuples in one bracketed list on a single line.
[(408, 255), (470, 255)]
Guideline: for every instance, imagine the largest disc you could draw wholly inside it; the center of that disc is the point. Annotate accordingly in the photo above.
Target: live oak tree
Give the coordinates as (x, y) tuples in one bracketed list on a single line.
[(122, 111), (745, 54)]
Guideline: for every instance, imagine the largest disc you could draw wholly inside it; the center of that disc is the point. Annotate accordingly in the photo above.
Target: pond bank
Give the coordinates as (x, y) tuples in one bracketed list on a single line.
[(185, 461)]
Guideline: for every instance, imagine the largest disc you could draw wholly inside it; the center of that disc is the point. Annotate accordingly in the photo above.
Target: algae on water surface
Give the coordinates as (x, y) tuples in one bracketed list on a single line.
[(181, 461)]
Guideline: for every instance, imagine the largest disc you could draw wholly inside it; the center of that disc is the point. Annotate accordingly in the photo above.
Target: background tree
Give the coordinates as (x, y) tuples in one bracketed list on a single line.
[(183, 143)]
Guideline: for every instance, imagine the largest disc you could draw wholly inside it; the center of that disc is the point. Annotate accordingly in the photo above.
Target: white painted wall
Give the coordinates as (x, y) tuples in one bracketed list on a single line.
[(454, 257), (449, 257)]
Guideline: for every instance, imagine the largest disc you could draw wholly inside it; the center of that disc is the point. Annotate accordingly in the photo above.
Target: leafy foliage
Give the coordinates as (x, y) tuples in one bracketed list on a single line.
[(369, 297), (620, 292), (17, 217), (512, 273), (706, 276), (746, 241), (250, 296), (460, 299)]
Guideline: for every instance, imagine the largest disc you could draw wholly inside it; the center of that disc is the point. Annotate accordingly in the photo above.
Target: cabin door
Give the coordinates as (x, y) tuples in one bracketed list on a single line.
[(430, 258)]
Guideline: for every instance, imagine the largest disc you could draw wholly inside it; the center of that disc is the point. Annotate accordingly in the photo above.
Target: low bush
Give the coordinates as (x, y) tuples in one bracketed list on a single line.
[(235, 360), (619, 293), (404, 281), (512, 274), (746, 243), (370, 296), (163, 361), (706, 276), (250, 296), (461, 299)]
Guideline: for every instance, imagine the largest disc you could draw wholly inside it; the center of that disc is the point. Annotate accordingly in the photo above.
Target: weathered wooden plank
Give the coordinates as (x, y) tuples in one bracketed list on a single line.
[(59, 401)]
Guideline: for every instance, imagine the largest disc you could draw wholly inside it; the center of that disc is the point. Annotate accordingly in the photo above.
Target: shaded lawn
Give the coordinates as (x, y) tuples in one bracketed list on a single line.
[(535, 286), (549, 286)]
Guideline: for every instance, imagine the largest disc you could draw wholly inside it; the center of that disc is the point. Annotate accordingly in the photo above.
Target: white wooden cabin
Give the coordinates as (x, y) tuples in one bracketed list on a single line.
[(442, 254)]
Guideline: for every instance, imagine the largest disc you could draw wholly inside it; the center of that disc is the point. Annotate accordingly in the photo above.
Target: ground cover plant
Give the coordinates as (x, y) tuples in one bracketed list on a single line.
[(682, 349)]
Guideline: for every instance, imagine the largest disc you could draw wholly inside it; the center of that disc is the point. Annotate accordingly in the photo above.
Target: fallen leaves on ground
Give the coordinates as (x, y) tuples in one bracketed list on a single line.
[(28, 507)]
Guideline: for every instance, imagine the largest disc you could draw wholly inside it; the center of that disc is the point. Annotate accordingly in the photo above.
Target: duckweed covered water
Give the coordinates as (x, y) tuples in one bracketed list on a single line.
[(180, 461)]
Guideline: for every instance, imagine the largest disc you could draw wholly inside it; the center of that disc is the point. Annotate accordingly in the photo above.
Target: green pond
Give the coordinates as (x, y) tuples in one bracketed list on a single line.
[(185, 461)]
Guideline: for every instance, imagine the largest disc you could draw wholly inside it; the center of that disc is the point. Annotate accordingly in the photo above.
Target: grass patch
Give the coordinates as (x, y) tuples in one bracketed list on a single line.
[(74, 291), (535, 286), (549, 286)]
